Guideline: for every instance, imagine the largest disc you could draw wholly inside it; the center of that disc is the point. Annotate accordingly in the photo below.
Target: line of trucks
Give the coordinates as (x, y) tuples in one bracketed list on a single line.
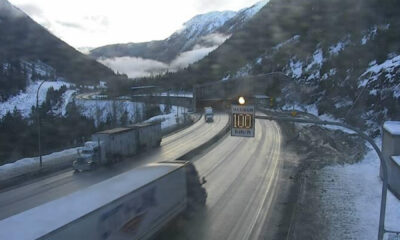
[(133, 205), (113, 145)]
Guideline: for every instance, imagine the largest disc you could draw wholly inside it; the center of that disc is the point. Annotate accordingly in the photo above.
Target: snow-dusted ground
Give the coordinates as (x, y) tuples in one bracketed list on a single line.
[(27, 165), (170, 120), (99, 110), (351, 199), (25, 100), (312, 109), (352, 193)]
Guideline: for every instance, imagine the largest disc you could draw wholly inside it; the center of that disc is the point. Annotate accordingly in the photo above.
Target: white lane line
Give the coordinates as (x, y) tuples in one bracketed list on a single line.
[(273, 189), (271, 180)]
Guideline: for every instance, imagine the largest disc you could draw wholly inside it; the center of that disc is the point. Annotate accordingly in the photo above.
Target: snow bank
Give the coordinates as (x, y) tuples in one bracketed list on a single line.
[(169, 120), (27, 165), (26, 100), (352, 197)]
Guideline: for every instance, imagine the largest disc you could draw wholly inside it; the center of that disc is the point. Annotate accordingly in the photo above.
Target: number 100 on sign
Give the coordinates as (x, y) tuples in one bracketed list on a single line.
[(242, 121)]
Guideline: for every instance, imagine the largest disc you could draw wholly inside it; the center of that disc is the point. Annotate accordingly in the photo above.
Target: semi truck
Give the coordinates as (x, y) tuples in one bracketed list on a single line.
[(132, 205), (110, 146), (208, 114)]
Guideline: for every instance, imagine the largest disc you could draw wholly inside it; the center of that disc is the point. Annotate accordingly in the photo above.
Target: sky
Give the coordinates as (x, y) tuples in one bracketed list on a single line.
[(94, 23)]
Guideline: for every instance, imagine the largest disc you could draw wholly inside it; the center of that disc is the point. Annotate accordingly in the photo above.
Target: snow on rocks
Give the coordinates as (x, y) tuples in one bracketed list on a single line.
[(296, 68), (317, 59), (375, 70), (338, 47), (369, 35)]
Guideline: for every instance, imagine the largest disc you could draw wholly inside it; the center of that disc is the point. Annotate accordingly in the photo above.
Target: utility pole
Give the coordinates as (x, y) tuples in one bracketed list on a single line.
[(39, 125)]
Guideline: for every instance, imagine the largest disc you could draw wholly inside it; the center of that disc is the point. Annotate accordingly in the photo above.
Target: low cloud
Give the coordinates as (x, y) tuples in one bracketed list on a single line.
[(99, 19), (186, 58), (138, 67), (70, 25), (214, 39), (135, 67)]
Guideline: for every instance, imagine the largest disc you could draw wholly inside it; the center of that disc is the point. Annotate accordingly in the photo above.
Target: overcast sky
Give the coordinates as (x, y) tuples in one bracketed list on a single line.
[(93, 23)]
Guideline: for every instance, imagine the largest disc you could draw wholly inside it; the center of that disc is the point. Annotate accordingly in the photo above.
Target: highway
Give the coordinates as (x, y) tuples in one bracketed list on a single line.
[(28, 195), (242, 182)]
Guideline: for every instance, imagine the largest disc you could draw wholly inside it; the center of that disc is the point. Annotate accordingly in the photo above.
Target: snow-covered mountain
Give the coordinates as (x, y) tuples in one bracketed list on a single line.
[(198, 36), (204, 24)]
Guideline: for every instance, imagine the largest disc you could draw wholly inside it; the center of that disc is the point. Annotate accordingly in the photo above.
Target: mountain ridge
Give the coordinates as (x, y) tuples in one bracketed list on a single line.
[(184, 39)]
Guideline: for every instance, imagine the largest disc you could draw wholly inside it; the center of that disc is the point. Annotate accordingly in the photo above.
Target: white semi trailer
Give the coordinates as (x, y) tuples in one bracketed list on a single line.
[(133, 205), (113, 145)]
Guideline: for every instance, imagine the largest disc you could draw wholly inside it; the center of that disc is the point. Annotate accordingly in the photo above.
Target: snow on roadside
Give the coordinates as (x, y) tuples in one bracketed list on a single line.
[(99, 110), (168, 120), (27, 165), (351, 200), (26, 100)]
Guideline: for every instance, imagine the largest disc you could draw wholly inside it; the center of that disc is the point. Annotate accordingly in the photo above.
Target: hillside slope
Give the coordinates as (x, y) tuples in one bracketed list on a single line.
[(21, 38), (342, 55)]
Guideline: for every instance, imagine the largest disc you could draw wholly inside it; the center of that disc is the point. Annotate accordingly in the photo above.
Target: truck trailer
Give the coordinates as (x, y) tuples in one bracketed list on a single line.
[(132, 205), (113, 145)]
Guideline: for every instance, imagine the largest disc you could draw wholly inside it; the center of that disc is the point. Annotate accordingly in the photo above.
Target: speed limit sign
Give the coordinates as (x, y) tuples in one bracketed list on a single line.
[(243, 121)]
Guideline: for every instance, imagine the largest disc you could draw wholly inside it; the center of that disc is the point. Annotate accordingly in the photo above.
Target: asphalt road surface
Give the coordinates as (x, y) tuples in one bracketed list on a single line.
[(28, 195), (242, 183)]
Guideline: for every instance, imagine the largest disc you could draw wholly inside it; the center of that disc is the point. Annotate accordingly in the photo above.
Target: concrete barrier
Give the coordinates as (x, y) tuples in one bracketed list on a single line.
[(188, 156), (390, 152)]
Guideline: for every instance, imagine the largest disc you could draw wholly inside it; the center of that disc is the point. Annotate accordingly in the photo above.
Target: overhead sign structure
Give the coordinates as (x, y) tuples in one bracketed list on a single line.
[(243, 121)]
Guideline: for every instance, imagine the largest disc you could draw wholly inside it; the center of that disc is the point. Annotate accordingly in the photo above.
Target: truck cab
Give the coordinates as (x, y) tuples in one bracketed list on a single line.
[(87, 158), (208, 114)]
